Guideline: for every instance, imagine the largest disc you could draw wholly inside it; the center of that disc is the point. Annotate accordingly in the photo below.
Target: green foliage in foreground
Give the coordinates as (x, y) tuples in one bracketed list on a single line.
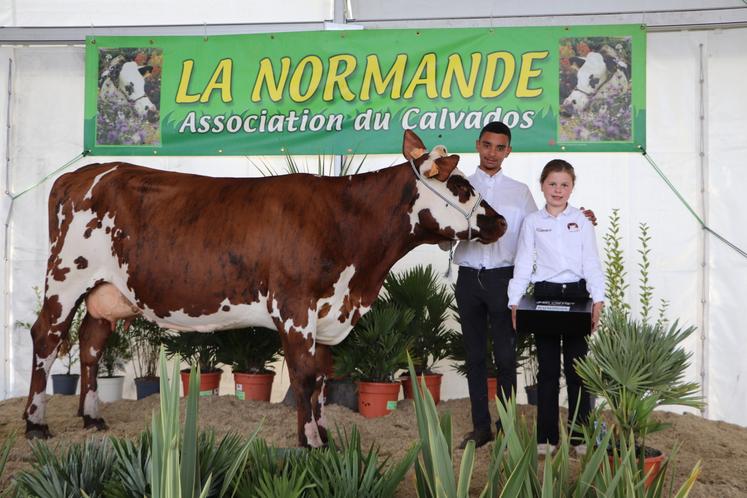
[(514, 470), (174, 460)]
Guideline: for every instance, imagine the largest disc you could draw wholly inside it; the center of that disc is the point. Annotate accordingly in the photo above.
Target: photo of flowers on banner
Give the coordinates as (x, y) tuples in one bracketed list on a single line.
[(129, 96), (356, 92), (595, 90)]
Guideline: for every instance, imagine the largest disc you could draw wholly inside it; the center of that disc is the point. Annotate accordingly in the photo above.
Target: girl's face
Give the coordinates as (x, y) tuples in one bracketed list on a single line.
[(557, 188)]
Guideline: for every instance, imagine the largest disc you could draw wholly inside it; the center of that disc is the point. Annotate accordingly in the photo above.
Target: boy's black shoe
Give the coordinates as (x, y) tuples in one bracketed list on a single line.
[(480, 437)]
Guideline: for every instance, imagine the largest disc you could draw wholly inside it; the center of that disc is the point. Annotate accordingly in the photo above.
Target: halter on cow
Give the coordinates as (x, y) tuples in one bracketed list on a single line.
[(305, 255)]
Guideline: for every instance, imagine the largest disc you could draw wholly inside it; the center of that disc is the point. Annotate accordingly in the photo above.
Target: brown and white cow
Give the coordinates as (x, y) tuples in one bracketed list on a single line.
[(303, 254)]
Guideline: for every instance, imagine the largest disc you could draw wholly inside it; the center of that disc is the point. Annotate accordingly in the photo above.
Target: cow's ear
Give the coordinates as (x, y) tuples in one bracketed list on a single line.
[(145, 69), (443, 167), (412, 146), (577, 61)]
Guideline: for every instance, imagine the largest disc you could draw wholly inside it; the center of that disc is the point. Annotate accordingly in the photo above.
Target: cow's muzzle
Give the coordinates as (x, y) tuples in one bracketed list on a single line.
[(491, 225)]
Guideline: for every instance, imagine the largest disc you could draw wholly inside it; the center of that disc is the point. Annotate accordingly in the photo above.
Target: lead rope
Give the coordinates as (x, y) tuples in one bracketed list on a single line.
[(451, 258)]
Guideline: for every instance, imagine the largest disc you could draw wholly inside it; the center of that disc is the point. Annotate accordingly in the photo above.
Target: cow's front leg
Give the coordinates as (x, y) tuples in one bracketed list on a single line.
[(93, 335), (300, 354)]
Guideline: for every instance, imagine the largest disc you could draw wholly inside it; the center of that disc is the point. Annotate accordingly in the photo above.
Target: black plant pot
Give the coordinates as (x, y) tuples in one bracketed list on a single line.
[(145, 386), (343, 392), (531, 394), (64, 383)]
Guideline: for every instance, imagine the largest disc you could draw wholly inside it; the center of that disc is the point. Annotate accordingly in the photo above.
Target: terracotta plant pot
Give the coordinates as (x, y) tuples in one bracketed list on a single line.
[(257, 387), (209, 383), (376, 399), (650, 464), (492, 389), (64, 383), (110, 388), (432, 383)]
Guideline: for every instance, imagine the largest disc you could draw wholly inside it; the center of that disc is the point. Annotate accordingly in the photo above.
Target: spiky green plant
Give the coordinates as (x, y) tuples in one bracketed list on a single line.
[(345, 471), (174, 467), (419, 289), (324, 166), (79, 471), (434, 470), (635, 367), (4, 454)]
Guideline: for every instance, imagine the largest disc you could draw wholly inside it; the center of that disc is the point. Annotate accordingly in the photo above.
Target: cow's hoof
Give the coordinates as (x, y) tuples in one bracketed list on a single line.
[(37, 431), (94, 423)]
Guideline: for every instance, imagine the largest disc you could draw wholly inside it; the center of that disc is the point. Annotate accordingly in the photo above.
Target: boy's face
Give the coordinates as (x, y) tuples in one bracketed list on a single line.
[(493, 148)]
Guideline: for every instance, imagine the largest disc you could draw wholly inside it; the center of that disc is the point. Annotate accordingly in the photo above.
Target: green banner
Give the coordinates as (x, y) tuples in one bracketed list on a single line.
[(578, 88)]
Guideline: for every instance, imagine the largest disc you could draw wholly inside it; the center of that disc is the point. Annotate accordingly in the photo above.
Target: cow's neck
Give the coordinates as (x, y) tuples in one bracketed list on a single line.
[(384, 226)]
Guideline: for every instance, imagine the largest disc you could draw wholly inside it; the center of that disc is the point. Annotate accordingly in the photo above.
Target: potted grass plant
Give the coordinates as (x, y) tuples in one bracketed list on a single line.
[(145, 339), (371, 355), (420, 290), (199, 349), (113, 358), (250, 352)]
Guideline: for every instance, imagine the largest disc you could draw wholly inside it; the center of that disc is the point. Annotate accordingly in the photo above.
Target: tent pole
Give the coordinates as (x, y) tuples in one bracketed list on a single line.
[(7, 260), (704, 244)]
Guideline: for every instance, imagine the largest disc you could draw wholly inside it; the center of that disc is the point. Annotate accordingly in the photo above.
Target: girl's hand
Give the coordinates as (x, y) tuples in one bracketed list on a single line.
[(513, 316), (596, 313)]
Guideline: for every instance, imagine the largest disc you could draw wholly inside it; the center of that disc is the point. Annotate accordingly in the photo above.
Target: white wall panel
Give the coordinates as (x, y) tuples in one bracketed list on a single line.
[(46, 131)]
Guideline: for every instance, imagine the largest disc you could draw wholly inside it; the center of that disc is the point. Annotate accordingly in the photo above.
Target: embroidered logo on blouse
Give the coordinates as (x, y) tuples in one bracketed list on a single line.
[(544, 229), (572, 227)]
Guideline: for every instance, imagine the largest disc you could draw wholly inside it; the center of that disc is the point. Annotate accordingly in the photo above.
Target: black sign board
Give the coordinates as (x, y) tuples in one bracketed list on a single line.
[(553, 316)]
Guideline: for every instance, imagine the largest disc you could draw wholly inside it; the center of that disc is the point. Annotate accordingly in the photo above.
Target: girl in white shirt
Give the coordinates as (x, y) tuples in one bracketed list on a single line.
[(557, 252)]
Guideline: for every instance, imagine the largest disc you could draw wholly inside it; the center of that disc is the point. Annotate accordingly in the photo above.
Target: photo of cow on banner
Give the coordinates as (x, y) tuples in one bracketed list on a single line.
[(129, 91), (595, 90)]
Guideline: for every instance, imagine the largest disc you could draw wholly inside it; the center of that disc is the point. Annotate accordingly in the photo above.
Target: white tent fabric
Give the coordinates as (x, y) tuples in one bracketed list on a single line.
[(699, 276)]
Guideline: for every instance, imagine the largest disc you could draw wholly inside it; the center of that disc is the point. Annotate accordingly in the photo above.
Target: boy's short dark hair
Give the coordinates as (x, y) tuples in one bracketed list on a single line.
[(496, 127)]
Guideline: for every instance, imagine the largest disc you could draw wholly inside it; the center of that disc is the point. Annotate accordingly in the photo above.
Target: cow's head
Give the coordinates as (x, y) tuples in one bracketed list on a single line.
[(594, 71), (447, 206), (131, 83)]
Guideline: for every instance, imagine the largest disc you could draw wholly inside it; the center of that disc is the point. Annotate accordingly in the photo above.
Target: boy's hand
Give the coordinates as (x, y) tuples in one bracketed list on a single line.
[(590, 215)]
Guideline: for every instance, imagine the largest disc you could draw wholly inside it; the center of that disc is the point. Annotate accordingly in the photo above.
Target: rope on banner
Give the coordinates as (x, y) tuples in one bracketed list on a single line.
[(682, 199), (34, 185)]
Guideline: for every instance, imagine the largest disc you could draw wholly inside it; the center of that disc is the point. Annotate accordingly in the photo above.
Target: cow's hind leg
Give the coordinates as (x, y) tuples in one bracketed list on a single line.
[(323, 357), (93, 335), (47, 333)]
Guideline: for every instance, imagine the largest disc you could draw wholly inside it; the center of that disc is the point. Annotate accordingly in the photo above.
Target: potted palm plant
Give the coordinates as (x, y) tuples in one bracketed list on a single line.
[(198, 349), (145, 343), (634, 367), (371, 355), (249, 352), (419, 290), (113, 358)]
